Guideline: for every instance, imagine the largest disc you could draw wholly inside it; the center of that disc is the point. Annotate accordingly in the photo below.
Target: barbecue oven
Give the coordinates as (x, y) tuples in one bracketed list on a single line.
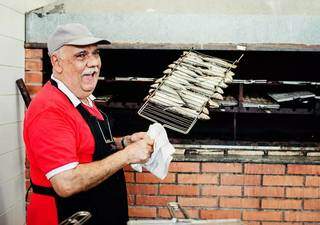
[(257, 158)]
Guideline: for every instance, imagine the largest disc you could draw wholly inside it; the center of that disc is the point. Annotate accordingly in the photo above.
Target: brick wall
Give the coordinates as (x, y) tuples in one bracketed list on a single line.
[(33, 80), (33, 70), (259, 194)]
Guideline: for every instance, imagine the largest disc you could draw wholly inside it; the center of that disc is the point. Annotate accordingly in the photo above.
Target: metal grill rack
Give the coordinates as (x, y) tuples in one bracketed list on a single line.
[(169, 115)]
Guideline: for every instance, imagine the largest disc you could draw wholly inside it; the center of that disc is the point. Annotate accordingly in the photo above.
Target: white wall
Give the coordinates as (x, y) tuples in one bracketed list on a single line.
[(12, 155), (12, 204)]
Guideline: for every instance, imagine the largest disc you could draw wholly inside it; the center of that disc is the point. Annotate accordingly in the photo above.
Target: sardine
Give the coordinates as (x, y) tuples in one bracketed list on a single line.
[(174, 85), (195, 95), (213, 104), (168, 97), (219, 90), (183, 70), (177, 80), (199, 90), (160, 101), (217, 96), (218, 61), (188, 113)]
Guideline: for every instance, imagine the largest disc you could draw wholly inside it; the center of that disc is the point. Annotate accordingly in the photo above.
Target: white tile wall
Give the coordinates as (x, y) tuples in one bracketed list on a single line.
[(12, 153), (12, 23), (14, 215), (8, 77), (12, 188), (12, 51), (13, 164), (11, 193), (14, 109)]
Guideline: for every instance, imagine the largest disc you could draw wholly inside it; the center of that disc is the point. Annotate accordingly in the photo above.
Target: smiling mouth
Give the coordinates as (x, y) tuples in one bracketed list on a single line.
[(89, 74)]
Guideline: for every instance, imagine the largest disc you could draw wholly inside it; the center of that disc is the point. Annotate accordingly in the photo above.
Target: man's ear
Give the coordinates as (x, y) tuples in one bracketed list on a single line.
[(55, 61)]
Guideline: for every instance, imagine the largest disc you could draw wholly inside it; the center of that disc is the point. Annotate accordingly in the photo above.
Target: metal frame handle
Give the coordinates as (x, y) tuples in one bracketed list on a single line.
[(175, 206)]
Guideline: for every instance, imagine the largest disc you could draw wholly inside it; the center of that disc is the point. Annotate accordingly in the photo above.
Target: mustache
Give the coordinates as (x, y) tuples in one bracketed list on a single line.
[(90, 71)]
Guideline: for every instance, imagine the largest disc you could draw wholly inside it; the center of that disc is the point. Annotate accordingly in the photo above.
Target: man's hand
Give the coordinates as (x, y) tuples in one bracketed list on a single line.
[(141, 149), (134, 137)]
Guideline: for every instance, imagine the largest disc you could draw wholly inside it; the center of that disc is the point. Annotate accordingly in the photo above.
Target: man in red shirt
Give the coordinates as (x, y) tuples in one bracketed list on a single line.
[(75, 163)]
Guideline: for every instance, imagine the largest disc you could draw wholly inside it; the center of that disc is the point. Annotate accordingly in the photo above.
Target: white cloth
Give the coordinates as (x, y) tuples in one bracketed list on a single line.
[(160, 159)]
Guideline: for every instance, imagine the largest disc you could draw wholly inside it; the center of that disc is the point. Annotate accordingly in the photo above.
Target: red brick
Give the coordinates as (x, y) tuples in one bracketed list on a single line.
[(33, 77), (228, 179), (313, 181), (131, 200), (302, 216), (198, 178), (222, 167), (184, 167), (303, 192), (154, 200), (27, 184), (220, 214), (221, 190), (142, 189), (280, 223), (250, 223), (150, 178), (33, 89), (264, 169), (179, 189), (264, 191), (239, 203), (128, 168), (129, 177), (164, 213), (304, 169), (27, 173), (313, 204), (33, 64), (281, 204), (33, 53), (262, 215), (282, 180), (200, 201), (142, 212), (27, 163)]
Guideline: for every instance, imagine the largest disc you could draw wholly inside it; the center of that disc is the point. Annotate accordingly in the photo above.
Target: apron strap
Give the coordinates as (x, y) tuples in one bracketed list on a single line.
[(43, 190)]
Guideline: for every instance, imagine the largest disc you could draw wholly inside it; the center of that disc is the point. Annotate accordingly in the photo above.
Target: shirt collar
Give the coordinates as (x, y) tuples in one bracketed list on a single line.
[(75, 101)]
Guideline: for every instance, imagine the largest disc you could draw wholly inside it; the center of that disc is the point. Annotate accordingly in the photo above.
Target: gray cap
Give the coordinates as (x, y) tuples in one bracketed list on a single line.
[(72, 34)]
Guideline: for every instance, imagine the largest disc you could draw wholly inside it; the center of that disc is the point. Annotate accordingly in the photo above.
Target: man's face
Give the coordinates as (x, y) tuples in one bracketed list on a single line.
[(80, 68)]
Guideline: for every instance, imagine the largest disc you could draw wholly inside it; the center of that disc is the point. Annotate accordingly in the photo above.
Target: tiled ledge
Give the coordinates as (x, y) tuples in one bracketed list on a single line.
[(248, 159)]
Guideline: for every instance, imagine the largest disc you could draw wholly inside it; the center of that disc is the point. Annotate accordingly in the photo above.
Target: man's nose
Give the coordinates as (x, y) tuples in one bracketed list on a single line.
[(93, 61)]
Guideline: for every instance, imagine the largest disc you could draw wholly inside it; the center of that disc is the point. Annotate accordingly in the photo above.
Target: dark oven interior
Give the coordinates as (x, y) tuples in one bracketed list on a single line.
[(259, 73)]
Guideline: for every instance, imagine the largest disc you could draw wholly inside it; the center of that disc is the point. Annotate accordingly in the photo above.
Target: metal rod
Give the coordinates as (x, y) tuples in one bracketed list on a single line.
[(152, 78), (247, 147)]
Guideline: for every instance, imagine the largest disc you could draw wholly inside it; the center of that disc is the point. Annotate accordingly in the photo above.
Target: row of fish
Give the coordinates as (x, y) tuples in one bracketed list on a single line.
[(191, 84)]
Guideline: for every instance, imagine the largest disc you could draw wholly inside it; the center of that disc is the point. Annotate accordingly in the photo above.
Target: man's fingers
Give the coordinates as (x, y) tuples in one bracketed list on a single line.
[(149, 140), (138, 136)]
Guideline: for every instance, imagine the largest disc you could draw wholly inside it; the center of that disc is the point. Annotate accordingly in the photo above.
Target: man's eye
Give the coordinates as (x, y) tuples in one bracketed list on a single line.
[(96, 52), (81, 55)]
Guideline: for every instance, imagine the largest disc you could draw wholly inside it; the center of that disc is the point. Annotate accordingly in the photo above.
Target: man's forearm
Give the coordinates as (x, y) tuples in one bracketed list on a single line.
[(88, 175)]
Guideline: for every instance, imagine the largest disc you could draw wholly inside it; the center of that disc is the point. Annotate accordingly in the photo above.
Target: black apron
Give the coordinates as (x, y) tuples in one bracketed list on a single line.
[(107, 202)]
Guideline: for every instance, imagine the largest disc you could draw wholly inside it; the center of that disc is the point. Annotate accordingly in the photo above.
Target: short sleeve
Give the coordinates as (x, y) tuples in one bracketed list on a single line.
[(52, 139)]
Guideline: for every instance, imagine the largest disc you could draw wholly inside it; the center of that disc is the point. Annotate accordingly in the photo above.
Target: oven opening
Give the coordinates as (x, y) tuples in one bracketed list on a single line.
[(253, 112)]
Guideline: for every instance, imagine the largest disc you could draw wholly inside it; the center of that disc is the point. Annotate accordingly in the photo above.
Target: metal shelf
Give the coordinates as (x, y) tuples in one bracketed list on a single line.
[(235, 81)]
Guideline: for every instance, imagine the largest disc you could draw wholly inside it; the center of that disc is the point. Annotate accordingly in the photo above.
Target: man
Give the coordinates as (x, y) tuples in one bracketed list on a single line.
[(75, 163)]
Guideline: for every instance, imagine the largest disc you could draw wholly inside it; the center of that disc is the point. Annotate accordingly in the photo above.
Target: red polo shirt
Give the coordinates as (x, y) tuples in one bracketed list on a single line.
[(57, 138)]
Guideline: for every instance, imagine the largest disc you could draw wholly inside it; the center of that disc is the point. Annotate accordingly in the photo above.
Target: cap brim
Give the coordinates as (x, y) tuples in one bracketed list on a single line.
[(88, 41)]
